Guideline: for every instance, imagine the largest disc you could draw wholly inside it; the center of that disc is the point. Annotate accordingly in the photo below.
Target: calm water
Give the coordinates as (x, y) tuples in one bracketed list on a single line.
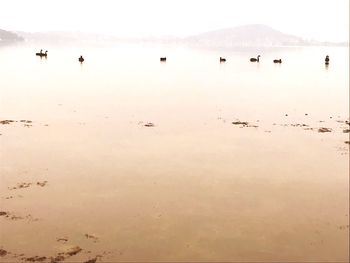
[(195, 186), (128, 80)]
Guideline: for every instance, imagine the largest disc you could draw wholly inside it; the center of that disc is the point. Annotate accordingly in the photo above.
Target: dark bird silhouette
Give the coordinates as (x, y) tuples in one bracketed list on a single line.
[(277, 61), (255, 59), (327, 60), (222, 59), (81, 59), (163, 59), (40, 53)]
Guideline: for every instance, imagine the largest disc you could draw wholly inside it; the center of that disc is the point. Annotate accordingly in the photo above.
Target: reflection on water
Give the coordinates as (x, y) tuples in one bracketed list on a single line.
[(81, 165)]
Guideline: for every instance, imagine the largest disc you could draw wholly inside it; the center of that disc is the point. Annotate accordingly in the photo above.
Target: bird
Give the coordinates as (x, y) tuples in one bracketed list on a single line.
[(277, 61), (81, 59), (255, 59), (163, 59), (327, 60), (40, 53), (222, 59)]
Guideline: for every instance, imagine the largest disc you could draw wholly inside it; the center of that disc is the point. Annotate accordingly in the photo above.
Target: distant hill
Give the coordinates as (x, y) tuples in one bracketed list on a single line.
[(62, 37), (250, 35), (58, 37), (9, 37), (255, 35)]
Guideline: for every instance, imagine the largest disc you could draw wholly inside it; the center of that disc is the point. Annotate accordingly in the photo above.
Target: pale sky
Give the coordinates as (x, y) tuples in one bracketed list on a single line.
[(325, 20)]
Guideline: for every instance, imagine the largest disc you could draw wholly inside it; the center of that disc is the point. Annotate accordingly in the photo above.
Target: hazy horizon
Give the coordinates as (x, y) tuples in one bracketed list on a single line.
[(323, 20), (226, 146)]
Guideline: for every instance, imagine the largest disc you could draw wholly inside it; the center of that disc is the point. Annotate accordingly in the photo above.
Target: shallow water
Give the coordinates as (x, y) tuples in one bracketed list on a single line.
[(194, 187)]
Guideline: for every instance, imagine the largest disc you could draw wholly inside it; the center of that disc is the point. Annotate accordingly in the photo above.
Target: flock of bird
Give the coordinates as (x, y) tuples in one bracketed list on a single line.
[(41, 54), (274, 61), (163, 59)]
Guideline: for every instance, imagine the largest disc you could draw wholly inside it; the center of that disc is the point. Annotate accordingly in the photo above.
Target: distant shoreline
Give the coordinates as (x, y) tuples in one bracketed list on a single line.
[(254, 35)]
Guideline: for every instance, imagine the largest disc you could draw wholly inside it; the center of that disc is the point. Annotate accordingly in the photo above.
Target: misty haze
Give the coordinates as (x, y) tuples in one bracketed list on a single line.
[(174, 131)]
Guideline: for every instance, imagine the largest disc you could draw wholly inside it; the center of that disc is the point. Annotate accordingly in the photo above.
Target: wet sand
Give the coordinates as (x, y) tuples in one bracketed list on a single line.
[(121, 176), (222, 192)]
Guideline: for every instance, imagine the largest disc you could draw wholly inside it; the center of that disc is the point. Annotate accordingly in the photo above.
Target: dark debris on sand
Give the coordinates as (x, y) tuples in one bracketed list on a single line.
[(73, 251), (94, 238), (62, 239), (322, 130), (244, 123), (299, 125), (91, 260), (149, 124), (26, 122), (57, 259), (21, 185), (14, 217), (3, 252), (3, 213), (3, 122), (35, 259), (26, 185), (63, 255), (343, 227), (42, 184)]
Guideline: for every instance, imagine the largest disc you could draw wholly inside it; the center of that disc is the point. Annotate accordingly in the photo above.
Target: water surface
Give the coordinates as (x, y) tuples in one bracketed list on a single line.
[(194, 187)]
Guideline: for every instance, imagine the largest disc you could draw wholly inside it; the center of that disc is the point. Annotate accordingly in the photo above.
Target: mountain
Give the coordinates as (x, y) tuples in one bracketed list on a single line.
[(254, 35), (61, 37), (9, 37), (249, 36)]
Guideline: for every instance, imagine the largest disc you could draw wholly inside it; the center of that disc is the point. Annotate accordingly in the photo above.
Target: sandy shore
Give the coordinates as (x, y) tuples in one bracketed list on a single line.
[(221, 190)]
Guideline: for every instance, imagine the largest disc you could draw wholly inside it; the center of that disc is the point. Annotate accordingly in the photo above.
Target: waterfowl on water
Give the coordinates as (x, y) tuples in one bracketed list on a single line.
[(255, 59), (81, 59), (277, 61), (222, 59), (327, 59), (163, 59), (40, 53)]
